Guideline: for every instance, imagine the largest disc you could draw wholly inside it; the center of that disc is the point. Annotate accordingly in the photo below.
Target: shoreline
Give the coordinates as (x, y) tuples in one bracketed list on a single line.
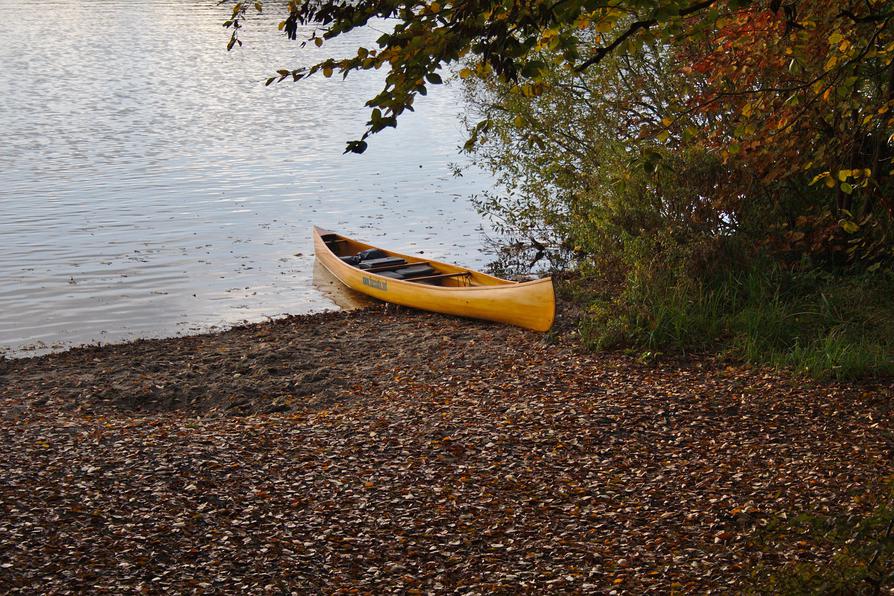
[(290, 361), (328, 286), (388, 449)]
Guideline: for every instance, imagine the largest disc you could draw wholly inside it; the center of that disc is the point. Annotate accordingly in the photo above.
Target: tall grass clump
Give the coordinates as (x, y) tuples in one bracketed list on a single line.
[(824, 325)]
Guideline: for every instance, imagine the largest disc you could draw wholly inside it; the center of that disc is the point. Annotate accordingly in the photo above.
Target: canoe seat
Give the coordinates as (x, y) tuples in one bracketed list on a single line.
[(332, 243), (410, 272), (390, 274), (438, 278), (383, 262), (416, 271)]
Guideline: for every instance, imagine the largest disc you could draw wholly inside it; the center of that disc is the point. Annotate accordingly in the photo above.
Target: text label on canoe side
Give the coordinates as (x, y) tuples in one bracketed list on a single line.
[(374, 283)]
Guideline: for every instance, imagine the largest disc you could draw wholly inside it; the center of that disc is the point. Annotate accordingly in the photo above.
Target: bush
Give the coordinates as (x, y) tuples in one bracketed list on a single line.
[(682, 250)]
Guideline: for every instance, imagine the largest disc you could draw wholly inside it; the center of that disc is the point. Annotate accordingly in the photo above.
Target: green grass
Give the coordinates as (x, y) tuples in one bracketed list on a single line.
[(820, 324)]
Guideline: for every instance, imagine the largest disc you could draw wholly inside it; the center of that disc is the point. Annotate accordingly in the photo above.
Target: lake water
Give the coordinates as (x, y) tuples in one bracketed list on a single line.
[(150, 185)]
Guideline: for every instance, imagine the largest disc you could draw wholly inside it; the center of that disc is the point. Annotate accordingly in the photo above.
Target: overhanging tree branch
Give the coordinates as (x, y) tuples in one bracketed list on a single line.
[(635, 27)]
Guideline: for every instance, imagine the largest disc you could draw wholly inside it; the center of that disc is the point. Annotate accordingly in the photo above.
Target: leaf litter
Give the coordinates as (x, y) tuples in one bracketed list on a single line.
[(391, 450)]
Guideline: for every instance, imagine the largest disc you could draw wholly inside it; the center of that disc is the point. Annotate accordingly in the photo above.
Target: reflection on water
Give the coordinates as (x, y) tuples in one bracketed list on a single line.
[(339, 293), (150, 185)]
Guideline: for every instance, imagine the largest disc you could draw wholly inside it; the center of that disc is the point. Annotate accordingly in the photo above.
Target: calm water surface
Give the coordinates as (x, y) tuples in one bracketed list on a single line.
[(150, 185)]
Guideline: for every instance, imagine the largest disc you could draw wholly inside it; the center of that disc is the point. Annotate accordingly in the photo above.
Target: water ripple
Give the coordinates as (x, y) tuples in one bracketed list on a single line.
[(150, 185)]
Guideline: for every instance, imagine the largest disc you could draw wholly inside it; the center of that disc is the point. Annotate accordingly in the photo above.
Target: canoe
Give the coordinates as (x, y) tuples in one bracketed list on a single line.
[(434, 286)]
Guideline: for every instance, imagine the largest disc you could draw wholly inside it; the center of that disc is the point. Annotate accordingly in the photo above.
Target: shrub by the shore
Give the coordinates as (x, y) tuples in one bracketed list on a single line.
[(681, 247)]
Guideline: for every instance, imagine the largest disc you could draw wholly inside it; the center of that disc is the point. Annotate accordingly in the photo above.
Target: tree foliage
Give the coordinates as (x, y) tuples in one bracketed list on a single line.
[(576, 171), (806, 91), (793, 97), (811, 50)]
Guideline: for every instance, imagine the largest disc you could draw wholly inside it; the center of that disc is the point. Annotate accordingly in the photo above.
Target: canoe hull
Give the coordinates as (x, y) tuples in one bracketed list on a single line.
[(530, 305)]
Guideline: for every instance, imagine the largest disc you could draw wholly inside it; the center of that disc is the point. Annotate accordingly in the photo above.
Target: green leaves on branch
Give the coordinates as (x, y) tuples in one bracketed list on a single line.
[(501, 37), (533, 69)]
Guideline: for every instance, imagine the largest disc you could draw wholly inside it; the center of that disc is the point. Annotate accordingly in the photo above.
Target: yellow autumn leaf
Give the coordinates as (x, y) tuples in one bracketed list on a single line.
[(819, 177), (465, 73), (849, 226)]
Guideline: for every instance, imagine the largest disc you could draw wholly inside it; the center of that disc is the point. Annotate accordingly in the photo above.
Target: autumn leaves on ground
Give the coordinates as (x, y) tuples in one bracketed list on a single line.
[(390, 450)]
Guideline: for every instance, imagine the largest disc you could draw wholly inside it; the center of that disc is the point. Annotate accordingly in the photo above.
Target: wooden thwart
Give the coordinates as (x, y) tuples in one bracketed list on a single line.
[(440, 276), (391, 267)]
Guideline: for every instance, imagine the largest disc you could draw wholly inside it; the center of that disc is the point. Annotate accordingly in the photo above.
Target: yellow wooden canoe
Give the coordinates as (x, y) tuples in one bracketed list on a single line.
[(438, 287)]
